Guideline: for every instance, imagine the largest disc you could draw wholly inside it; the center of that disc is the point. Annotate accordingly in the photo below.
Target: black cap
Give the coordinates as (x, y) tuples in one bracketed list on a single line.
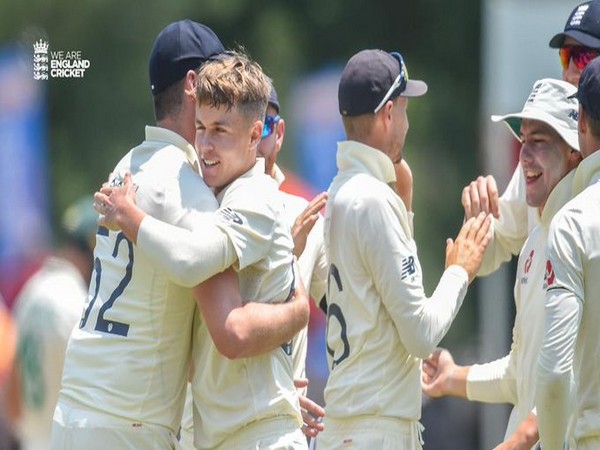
[(179, 47), (367, 79), (583, 25), (273, 100), (588, 92)]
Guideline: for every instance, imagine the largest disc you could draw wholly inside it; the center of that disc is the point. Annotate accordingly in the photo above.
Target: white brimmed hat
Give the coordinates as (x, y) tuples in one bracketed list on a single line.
[(552, 102)]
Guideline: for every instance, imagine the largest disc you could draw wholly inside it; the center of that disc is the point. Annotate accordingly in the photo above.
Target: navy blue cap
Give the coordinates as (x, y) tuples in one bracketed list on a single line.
[(583, 25), (273, 100), (179, 47), (368, 78), (588, 92)]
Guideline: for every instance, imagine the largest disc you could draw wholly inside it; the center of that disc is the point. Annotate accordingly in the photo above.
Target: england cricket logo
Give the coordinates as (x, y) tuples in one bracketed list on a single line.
[(57, 63), (40, 60)]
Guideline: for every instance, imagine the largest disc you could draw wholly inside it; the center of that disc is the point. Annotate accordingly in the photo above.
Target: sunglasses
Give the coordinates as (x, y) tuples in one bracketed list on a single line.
[(269, 126), (580, 55), (399, 83)]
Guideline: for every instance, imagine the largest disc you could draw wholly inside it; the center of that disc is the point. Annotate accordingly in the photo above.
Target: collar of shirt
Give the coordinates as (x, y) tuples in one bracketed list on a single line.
[(559, 196), (278, 175), (587, 172), (164, 135), (356, 156), (257, 169)]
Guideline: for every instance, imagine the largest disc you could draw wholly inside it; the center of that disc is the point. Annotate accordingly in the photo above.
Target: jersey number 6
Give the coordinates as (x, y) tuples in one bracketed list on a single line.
[(334, 310)]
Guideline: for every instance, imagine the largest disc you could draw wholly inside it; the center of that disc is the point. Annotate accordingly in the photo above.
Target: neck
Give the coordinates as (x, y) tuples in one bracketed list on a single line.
[(180, 126), (183, 121)]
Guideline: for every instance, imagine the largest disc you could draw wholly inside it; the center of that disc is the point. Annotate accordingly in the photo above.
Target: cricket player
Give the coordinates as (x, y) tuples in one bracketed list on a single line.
[(250, 402), (577, 45), (380, 323), (568, 375), (127, 360), (547, 130)]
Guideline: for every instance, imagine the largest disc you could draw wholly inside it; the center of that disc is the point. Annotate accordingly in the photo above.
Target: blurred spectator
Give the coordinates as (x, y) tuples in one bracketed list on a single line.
[(45, 311), (7, 353)]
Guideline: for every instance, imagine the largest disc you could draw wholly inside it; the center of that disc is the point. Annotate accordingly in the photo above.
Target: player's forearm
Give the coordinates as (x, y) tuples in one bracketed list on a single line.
[(493, 382), (552, 401), (258, 328), (456, 382), (422, 332), (188, 258), (129, 219)]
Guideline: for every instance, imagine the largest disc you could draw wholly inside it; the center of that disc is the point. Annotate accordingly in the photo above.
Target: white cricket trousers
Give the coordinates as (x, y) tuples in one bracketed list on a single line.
[(77, 429), (368, 433)]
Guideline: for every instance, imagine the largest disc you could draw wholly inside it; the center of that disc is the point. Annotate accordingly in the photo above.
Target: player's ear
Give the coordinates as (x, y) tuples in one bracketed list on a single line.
[(256, 132), (190, 80), (279, 134)]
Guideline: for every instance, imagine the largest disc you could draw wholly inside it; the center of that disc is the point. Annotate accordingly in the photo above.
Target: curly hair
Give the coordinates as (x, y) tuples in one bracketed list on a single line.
[(233, 80)]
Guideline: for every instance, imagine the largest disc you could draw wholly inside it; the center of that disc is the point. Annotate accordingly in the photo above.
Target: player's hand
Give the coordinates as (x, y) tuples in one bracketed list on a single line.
[(312, 413), (437, 370), (305, 222), (404, 183), (479, 196), (113, 199), (470, 244)]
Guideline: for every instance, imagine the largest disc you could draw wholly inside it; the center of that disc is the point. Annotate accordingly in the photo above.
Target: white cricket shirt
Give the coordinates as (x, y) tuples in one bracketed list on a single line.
[(230, 394), (380, 322), (571, 346), (129, 356), (512, 379)]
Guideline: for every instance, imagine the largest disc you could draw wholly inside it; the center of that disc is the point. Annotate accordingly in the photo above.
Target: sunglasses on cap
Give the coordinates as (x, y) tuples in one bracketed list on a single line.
[(580, 55), (269, 126), (399, 83)]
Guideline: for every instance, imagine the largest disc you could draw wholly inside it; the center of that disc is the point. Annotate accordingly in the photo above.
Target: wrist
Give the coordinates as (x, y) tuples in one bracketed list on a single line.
[(456, 384)]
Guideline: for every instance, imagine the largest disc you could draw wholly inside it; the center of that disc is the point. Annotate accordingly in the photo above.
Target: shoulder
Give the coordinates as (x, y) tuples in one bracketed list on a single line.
[(293, 204), (365, 192), (253, 193)]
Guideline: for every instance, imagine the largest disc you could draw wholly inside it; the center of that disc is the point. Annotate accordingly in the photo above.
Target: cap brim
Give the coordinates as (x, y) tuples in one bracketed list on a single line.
[(513, 122), (414, 88), (581, 37)]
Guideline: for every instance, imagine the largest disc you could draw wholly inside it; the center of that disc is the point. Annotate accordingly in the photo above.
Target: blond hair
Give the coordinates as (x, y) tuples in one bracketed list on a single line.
[(234, 80)]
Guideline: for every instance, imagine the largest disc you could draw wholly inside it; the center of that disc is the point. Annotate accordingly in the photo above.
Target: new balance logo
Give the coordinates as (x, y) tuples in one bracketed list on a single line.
[(408, 267), (230, 216)]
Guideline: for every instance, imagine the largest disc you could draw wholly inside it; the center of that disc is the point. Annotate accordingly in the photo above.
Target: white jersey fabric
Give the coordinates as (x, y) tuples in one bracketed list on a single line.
[(129, 356), (380, 323), (570, 353), (45, 312), (232, 394), (313, 269), (512, 379), (510, 230)]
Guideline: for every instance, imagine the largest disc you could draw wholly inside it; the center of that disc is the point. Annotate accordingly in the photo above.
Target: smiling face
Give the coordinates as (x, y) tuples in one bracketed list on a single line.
[(226, 143), (545, 159), (231, 98)]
